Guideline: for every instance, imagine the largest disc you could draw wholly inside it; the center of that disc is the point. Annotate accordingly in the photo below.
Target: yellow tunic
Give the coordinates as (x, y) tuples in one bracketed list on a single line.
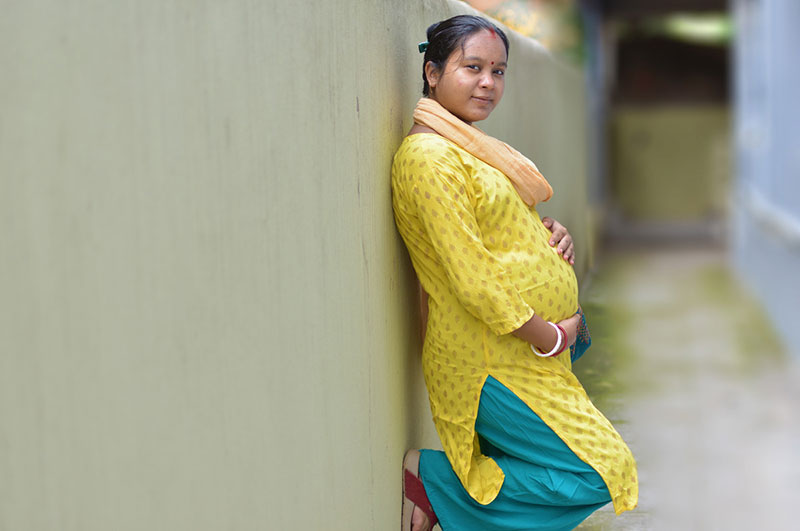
[(483, 257)]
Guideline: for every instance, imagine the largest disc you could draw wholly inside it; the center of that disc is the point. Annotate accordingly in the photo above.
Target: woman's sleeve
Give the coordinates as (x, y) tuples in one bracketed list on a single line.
[(476, 276)]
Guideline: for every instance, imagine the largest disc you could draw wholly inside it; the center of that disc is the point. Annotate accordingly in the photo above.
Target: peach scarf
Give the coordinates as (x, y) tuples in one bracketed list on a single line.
[(530, 184)]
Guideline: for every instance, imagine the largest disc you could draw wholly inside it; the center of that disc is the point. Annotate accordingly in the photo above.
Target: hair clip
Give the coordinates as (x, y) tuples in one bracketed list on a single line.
[(422, 46)]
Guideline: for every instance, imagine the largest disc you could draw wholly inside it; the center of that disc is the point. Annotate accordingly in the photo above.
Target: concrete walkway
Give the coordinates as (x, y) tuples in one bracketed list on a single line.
[(686, 367)]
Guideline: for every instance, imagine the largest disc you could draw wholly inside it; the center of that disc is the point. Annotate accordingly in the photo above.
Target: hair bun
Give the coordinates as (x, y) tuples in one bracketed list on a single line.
[(431, 29)]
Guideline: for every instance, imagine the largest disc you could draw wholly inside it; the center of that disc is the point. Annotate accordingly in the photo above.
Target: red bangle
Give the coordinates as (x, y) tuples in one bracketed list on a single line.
[(563, 343)]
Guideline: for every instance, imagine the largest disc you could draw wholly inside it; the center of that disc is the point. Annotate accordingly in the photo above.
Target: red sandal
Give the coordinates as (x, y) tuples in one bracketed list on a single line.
[(414, 492)]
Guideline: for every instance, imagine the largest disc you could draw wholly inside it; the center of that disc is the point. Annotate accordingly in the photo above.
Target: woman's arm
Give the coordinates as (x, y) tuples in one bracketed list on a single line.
[(536, 331), (438, 198), (543, 336)]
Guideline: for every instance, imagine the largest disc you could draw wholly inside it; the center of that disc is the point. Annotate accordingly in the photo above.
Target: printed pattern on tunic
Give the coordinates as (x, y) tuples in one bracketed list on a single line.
[(483, 257)]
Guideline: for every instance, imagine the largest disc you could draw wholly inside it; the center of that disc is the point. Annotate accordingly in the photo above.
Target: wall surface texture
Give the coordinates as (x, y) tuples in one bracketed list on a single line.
[(767, 202), (671, 162), (207, 319)]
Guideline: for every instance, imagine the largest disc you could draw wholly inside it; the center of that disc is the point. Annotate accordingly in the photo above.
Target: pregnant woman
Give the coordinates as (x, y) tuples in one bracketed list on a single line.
[(524, 447)]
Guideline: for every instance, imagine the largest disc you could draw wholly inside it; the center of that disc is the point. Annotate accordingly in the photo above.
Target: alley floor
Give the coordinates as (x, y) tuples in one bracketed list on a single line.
[(687, 367)]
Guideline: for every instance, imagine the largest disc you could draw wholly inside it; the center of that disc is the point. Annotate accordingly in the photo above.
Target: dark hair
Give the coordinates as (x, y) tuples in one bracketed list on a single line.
[(445, 36)]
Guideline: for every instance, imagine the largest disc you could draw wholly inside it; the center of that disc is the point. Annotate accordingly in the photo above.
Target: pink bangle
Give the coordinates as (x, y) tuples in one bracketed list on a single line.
[(564, 343)]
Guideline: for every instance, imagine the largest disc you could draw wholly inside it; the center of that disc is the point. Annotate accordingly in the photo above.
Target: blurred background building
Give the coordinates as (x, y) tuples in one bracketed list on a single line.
[(766, 214)]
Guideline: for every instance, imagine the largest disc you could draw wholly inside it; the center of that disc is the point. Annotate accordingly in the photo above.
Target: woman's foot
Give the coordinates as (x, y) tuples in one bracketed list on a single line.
[(420, 520), (417, 512)]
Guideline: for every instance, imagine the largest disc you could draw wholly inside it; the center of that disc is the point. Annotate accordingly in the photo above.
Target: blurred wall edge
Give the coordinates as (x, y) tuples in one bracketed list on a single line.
[(208, 318), (767, 202)]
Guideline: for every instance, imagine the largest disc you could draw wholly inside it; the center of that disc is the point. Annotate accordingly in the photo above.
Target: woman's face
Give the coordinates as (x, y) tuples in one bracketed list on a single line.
[(472, 81)]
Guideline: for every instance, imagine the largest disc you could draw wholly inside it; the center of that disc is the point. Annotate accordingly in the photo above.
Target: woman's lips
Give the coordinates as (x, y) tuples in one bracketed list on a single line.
[(481, 99)]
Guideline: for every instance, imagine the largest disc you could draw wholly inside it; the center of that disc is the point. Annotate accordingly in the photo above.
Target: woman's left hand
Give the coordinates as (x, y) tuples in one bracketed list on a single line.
[(560, 238)]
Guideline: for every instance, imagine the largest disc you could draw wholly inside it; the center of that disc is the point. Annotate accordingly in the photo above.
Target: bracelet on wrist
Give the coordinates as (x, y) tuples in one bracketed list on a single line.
[(564, 344), (561, 341)]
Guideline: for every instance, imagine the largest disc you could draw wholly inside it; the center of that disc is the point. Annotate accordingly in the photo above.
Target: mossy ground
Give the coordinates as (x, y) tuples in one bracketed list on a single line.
[(689, 370)]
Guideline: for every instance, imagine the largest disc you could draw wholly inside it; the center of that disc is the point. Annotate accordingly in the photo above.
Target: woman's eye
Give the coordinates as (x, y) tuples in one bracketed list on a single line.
[(500, 72), (473, 67)]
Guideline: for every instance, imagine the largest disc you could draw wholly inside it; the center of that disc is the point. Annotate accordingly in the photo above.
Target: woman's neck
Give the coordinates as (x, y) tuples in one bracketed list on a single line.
[(419, 128)]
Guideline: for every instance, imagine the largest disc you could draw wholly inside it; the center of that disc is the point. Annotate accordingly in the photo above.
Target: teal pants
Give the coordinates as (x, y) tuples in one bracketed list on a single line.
[(547, 487)]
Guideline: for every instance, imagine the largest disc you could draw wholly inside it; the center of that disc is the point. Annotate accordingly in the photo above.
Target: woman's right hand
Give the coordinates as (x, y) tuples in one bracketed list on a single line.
[(570, 326)]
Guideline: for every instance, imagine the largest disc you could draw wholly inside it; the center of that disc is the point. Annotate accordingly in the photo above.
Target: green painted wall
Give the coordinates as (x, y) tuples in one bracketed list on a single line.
[(671, 163), (207, 319)]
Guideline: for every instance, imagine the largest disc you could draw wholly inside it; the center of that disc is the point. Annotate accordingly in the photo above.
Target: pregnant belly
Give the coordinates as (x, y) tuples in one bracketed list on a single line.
[(555, 296)]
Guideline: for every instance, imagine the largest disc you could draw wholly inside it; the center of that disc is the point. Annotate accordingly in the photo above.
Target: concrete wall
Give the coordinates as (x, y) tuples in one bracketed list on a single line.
[(671, 162), (767, 197), (207, 319)]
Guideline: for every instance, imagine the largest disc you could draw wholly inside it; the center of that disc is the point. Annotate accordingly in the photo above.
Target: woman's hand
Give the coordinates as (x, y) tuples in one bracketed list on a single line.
[(561, 238), (544, 337), (570, 326)]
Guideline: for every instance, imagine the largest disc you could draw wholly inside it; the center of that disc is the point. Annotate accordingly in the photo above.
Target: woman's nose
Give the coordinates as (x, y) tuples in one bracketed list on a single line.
[(487, 80)]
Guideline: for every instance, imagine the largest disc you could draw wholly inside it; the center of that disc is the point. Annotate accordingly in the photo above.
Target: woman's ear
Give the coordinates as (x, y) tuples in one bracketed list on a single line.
[(432, 74)]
